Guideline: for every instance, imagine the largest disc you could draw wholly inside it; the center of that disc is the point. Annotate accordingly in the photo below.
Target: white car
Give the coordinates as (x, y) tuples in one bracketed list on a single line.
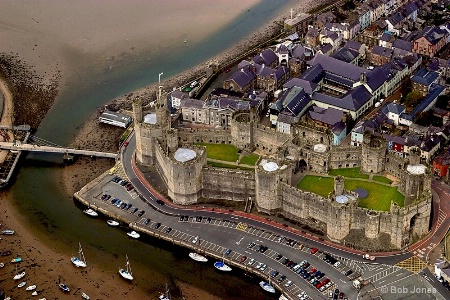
[(288, 283), (259, 265), (263, 267), (251, 261), (336, 264), (195, 240)]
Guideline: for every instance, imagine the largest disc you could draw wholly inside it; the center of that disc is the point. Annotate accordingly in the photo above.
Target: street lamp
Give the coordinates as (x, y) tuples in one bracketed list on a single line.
[(159, 78)]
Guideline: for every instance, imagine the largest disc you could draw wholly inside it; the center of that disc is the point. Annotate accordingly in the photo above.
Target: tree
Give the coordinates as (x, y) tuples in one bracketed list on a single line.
[(413, 98), (443, 102)]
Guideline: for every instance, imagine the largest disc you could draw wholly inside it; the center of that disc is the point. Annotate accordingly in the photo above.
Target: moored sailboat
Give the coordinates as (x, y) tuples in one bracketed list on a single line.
[(220, 265), (64, 287), (126, 273), (165, 295), (79, 261)]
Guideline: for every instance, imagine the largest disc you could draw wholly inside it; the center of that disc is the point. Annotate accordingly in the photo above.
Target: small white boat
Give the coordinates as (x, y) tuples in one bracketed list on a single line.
[(112, 223), (22, 284), (35, 293), (19, 276), (133, 234), (85, 296), (283, 297), (64, 287), (126, 273), (220, 265), (31, 288), (7, 231), (90, 212), (2, 265), (197, 257), (267, 287), (79, 261)]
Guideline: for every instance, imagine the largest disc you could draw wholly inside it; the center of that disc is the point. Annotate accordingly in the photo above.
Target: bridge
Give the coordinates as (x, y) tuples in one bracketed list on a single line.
[(53, 149)]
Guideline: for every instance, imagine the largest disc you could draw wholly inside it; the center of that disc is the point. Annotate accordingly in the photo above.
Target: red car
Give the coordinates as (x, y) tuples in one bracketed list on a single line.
[(313, 270), (243, 258), (125, 144), (314, 250)]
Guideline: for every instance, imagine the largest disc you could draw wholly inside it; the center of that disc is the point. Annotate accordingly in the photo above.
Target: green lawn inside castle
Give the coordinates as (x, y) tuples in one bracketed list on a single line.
[(219, 154), (380, 193)]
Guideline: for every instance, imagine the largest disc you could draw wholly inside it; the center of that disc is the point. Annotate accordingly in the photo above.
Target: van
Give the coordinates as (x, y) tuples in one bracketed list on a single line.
[(378, 104)]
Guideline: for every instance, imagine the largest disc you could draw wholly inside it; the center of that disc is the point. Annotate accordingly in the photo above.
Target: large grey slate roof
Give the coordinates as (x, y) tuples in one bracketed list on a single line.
[(339, 67), (345, 54), (295, 100), (314, 74), (425, 77), (328, 116), (286, 117), (243, 76), (352, 101), (298, 51), (308, 86), (266, 57), (382, 51), (192, 103), (402, 44), (376, 78), (353, 45), (433, 93), (432, 34), (393, 108)]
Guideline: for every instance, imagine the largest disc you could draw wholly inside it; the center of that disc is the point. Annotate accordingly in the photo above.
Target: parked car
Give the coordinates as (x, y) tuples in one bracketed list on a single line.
[(314, 250), (288, 283), (278, 257), (134, 210), (281, 278), (195, 240), (146, 221), (251, 245), (274, 274), (157, 225), (141, 213), (168, 230), (251, 261), (263, 267), (243, 258), (228, 252)]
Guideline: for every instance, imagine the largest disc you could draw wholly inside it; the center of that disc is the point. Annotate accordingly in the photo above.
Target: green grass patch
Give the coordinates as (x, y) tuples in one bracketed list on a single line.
[(381, 179), (250, 159), (226, 166), (379, 198), (317, 185), (348, 172), (221, 152)]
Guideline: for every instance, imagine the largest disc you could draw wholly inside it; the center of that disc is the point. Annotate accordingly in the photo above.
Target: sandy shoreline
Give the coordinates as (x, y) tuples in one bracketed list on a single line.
[(45, 266)]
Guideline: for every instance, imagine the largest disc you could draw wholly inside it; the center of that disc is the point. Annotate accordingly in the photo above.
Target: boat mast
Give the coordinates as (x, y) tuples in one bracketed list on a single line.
[(128, 266), (80, 251)]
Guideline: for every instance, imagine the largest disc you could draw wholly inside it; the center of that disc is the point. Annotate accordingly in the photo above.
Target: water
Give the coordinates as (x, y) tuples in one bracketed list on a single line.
[(53, 215)]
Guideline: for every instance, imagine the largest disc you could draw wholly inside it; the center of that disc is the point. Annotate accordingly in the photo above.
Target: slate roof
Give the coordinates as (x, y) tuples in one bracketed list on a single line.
[(299, 51), (387, 37), (382, 51), (353, 100), (409, 8), (243, 76), (313, 74), (396, 18), (376, 78), (336, 66), (434, 91), (329, 116), (192, 103), (353, 45), (393, 108), (286, 117), (424, 77), (312, 33), (338, 127), (345, 54), (432, 34), (295, 100), (396, 139), (178, 94), (308, 86), (430, 142), (282, 49), (266, 57), (326, 48), (402, 44)]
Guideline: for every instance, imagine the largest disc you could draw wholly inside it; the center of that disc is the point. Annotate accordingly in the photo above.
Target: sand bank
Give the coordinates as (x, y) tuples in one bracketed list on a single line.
[(60, 36)]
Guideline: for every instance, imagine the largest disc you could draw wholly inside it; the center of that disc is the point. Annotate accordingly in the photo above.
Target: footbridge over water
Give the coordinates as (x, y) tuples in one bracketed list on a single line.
[(53, 149)]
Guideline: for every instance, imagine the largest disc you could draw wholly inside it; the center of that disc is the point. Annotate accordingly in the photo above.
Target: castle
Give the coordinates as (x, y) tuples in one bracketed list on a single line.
[(183, 167)]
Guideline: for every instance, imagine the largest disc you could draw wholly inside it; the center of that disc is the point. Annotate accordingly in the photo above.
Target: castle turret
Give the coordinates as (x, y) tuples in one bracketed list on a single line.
[(338, 185), (268, 175), (137, 110), (242, 130), (373, 154)]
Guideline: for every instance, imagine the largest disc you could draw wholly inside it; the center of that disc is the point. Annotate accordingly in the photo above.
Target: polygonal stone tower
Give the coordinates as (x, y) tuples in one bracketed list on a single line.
[(373, 154)]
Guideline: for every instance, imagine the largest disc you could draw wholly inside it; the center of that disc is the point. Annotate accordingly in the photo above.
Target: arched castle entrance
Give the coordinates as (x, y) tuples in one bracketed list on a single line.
[(412, 224)]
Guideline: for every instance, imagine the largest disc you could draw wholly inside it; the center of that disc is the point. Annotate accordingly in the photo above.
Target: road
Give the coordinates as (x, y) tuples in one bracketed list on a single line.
[(235, 230)]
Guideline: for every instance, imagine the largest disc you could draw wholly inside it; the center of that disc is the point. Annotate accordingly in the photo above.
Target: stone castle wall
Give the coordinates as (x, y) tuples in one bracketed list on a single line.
[(210, 136), (227, 184), (272, 191)]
